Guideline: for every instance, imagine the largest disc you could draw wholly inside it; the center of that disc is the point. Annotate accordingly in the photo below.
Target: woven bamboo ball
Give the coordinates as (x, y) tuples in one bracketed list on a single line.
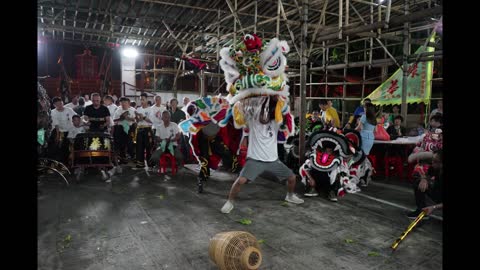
[(235, 250)]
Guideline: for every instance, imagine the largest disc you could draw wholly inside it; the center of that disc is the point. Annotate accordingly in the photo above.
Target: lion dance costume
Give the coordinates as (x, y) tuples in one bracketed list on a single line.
[(255, 76), (336, 158)]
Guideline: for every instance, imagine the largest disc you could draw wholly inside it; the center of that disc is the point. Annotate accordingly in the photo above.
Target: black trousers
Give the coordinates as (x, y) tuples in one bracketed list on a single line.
[(122, 142), (322, 181), (214, 146), (59, 151), (144, 145), (185, 148), (433, 191)]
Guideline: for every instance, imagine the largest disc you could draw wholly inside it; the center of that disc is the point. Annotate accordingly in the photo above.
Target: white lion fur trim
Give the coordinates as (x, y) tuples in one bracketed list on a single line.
[(228, 65), (258, 91), (268, 56)]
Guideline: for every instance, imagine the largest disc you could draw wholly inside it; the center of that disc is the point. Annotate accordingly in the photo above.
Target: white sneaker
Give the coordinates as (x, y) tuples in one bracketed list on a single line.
[(104, 175), (332, 197), (293, 199), (227, 207)]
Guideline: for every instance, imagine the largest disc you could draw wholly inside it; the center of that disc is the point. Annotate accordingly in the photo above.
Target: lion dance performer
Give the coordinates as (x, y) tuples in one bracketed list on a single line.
[(208, 119), (336, 163), (258, 91)]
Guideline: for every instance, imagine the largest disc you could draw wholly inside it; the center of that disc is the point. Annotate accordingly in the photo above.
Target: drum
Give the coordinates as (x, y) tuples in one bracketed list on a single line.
[(93, 149)]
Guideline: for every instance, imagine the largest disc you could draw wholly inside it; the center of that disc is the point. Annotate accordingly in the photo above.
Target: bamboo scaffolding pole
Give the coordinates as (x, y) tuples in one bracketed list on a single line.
[(303, 79)]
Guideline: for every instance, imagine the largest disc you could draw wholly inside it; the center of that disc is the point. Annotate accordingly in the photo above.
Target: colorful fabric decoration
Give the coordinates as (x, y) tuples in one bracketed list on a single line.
[(41, 136), (204, 110)]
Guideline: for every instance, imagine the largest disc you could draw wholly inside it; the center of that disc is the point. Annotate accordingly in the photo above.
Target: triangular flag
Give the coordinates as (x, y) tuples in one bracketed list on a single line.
[(418, 83)]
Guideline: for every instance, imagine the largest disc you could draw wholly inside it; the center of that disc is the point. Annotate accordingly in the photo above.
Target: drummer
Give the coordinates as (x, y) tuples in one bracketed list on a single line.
[(96, 116)]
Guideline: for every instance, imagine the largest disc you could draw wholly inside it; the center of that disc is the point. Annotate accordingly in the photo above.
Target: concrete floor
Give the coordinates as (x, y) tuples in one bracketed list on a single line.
[(160, 222)]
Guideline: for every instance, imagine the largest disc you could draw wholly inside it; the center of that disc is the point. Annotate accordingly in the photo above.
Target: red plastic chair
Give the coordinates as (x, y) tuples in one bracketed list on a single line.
[(396, 162), (165, 160), (373, 160)]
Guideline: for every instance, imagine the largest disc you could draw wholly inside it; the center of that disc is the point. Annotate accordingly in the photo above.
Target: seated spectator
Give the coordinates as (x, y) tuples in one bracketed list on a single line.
[(396, 130), (167, 136), (429, 184), (395, 113), (432, 141)]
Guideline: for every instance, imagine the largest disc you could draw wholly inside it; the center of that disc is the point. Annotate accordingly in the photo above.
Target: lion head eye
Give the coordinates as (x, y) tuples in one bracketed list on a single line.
[(238, 85), (247, 61), (248, 37)]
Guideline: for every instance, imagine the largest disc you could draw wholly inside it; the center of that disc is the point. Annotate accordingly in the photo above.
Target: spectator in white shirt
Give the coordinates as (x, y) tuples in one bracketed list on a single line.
[(186, 100), (88, 102), (76, 128), (72, 104), (62, 123), (156, 112), (167, 136), (123, 118), (144, 132), (108, 101)]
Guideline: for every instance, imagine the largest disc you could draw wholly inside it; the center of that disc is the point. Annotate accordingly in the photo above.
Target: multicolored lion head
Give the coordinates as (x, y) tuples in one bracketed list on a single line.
[(255, 70), (255, 76), (328, 150)]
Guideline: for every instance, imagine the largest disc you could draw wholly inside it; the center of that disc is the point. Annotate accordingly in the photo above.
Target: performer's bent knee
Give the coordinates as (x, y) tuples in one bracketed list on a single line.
[(241, 180)]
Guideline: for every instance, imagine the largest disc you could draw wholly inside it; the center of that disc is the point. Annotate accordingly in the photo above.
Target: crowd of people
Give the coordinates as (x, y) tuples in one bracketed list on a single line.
[(141, 134), (135, 129), (425, 157)]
